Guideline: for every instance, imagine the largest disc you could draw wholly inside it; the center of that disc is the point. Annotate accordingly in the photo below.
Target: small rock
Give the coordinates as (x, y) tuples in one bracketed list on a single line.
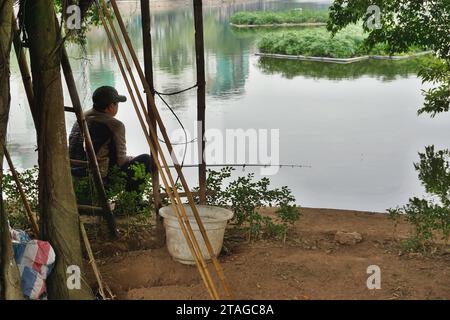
[(347, 238)]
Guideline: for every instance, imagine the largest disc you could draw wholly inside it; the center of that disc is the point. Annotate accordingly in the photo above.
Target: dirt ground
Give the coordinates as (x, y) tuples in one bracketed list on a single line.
[(310, 265)]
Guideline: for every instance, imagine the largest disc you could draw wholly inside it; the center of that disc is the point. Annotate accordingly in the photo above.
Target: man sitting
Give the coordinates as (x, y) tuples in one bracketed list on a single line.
[(108, 137)]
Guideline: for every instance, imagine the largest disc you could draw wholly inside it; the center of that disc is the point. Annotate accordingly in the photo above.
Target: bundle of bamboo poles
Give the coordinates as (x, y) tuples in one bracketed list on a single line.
[(155, 147)]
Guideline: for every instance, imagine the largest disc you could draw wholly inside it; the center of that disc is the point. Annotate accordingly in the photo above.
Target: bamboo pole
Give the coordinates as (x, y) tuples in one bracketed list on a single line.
[(148, 65), (183, 213), (31, 215), (170, 149), (194, 249), (93, 164), (98, 276), (195, 253), (24, 69), (92, 260), (201, 99), (163, 130), (28, 85)]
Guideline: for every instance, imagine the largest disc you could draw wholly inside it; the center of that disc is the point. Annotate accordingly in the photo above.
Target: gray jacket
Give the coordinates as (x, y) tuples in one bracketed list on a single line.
[(114, 142)]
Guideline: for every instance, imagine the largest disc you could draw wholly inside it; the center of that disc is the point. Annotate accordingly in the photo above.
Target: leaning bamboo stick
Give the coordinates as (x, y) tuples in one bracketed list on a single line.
[(195, 254), (203, 271), (147, 89), (30, 213), (156, 142), (90, 152), (92, 261), (202, 266), (187, 221), (24, 69)]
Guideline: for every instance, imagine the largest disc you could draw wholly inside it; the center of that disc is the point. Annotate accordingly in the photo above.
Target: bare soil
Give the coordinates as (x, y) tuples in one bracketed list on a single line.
[(309, 265)]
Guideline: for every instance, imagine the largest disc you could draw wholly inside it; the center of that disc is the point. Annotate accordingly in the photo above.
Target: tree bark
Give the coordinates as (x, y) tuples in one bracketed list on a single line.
[(10, 288), (58, 208), (9, 276)]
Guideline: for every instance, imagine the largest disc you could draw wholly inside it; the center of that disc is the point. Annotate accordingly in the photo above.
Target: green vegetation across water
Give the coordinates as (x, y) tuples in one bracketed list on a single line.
[(296, 16), (318, 42)]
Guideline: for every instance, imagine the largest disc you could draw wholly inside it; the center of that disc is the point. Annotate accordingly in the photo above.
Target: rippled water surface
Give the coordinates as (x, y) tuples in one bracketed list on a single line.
[(356, 126)]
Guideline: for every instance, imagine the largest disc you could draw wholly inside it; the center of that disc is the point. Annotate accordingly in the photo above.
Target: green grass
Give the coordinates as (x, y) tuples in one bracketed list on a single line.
[(291, 16), (318, 42)]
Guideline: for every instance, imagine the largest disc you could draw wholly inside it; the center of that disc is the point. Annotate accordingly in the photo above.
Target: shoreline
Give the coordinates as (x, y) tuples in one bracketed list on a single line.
[(165, 4), (341, 60), (279, 25)]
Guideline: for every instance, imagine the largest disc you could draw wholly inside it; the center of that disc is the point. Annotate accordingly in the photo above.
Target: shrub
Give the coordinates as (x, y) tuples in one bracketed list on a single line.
[(429, 216), (319, 42), (127, 203), (246, 197), (12, 201)]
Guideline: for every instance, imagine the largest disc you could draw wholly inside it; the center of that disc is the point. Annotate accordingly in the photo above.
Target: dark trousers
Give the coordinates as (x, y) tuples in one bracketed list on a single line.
[(132, 184)]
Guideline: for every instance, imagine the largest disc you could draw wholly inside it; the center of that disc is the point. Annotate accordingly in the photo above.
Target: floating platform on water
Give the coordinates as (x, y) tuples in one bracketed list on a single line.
[(277, 25)]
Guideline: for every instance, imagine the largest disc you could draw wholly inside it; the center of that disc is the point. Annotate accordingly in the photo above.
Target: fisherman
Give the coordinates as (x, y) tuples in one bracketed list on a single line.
[(108, 138)]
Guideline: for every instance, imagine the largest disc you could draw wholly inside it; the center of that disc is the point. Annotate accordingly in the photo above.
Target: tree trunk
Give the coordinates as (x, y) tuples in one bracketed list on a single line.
[(9, 273), (58, 208), (10, 288)]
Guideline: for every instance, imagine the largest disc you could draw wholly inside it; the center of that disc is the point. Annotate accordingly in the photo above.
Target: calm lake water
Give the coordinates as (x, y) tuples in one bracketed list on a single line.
[(356, 126)]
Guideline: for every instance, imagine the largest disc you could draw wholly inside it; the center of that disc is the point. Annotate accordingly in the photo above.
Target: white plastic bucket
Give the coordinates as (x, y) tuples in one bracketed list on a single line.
[(214, 220)]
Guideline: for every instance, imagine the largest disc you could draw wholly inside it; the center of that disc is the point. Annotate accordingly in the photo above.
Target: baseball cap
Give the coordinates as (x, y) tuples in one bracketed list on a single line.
[(106, 95)]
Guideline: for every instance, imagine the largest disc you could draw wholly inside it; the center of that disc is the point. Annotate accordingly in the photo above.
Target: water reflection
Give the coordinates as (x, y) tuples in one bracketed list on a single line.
[(355, 124), (380, 69), (227, 56)]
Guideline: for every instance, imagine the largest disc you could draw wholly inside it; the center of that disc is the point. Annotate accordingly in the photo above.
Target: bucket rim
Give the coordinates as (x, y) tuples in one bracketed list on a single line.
[(167, 213)]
